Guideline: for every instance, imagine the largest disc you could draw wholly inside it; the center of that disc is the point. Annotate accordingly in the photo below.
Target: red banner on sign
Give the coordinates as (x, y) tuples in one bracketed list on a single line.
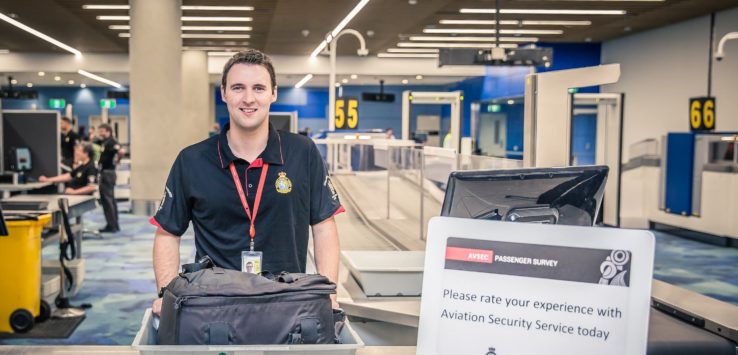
[(470, 255)]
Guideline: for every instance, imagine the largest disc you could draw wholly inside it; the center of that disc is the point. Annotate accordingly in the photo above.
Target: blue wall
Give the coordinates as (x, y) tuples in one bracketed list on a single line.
[(311, 105), (85, 101)]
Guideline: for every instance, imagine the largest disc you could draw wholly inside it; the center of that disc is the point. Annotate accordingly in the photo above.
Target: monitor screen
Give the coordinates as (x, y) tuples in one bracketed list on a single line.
[(569, 196)]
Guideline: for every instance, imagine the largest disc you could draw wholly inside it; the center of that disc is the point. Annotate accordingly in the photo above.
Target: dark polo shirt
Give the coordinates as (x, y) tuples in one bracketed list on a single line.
[(200, 188), (83, 175)]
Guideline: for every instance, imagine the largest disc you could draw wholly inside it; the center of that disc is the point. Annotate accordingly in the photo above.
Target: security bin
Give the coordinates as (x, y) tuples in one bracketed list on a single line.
[(145, 342), (20, 281), (386, 273)]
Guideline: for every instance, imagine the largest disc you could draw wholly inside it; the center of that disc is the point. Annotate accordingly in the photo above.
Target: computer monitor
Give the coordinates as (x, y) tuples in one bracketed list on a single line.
[(570, 196)]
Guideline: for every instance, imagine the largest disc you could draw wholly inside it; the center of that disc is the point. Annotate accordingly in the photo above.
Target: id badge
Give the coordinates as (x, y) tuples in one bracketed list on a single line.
[(251, 261)]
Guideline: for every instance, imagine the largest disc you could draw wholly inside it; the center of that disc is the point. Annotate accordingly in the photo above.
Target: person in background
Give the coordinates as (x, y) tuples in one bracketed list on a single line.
[(69, 140), (109, 158), (82, 180), (390, 134)]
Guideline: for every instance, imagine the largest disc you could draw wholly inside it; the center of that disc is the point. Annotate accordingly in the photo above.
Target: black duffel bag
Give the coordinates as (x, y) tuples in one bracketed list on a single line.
[(209, 305)]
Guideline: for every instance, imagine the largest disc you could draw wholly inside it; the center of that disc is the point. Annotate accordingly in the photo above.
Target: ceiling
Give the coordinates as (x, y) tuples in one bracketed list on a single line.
[(278, 25), (296, 27)]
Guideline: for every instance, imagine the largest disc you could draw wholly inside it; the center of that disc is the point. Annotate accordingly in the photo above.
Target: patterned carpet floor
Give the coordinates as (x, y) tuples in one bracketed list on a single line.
[(119, 280)]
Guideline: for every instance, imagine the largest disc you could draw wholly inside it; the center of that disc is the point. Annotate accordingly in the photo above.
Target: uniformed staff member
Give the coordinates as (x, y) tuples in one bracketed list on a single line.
[(83, 178), (251, 187), (69, 140), (109, 158)]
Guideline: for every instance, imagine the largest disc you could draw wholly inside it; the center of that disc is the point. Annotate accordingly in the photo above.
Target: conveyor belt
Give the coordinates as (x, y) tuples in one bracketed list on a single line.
[(353, 228)]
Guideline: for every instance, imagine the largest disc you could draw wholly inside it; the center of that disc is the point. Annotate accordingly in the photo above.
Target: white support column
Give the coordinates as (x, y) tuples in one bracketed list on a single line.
[(157, 128), (196, 95)]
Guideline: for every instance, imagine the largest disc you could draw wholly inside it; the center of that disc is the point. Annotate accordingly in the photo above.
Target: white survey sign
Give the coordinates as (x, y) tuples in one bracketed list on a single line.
[(502, 288)]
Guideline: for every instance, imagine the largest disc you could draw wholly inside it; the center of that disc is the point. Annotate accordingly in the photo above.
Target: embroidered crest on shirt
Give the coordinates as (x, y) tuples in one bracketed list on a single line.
[(283, 183)]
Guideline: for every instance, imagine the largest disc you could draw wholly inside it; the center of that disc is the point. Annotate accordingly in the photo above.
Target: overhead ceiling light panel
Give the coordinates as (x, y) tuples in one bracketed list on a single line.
[(543, 11), (341, 25), (38, 34), (184, 18), (492, 31), (454, 45), (4, 51), (113, 18), (106, 7), (215, 36), (218, 8), (472, 39), (217, 28), (349, 17), (303, 81), (516, 22), (193, 28), (407, 55), (185, 7), (411, 50), (99, 78), (216, 19), (215, 48)]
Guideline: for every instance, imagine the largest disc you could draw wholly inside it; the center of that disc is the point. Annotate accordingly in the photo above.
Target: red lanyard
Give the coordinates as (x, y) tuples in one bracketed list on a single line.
[(259, 190)]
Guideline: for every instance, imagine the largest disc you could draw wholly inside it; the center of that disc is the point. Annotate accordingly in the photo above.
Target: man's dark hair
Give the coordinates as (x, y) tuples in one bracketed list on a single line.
[(66, 119), (87, 149), (250, 56), (106, 127)]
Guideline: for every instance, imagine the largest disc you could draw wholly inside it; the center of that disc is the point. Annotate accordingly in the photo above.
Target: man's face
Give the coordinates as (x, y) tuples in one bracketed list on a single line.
[(79, 153), (65, 126), (248, 95), (103, 133)]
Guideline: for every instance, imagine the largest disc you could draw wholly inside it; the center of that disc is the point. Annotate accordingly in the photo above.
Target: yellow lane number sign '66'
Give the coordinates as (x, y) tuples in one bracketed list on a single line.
[(347, 113), (702, 113)]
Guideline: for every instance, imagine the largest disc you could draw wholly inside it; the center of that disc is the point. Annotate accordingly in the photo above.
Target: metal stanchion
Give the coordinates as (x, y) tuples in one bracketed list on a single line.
[(64, 309)]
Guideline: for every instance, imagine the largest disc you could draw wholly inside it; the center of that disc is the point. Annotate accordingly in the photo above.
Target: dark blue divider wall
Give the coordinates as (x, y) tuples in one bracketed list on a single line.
[(85, 101)]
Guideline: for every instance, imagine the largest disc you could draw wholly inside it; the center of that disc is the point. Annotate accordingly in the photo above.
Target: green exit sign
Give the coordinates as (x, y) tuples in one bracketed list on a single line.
[(107, 103), (493, 108), (57, 103)]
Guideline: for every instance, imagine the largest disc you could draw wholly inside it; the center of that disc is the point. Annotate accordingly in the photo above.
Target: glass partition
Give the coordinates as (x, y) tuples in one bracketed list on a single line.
[(397, 186)]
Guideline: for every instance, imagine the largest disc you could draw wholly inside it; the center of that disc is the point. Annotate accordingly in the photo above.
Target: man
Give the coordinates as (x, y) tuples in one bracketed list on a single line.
[(278, 177), (83, 178), (69, 140), (109, 158)]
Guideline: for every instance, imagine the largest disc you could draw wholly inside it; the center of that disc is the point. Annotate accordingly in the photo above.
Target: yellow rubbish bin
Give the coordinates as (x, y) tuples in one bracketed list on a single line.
[(20, 274)]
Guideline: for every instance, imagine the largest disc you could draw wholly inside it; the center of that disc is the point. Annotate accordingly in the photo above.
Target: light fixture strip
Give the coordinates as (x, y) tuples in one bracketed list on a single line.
[(201, 35), (407, 55), (411, 50), (40, 35), (216, 19), (193, 28), (217, 36), (492, 31), (543, 11), (99, 78), (339, 27), (213, 48), (516, 22), (473, 39), (349, 17), (184, 7), (184, 18), (303, 81), (454, 45), (217, 28)]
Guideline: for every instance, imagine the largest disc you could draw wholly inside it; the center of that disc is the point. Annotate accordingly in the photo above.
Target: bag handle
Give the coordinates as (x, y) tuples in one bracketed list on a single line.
[(204, 263)]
